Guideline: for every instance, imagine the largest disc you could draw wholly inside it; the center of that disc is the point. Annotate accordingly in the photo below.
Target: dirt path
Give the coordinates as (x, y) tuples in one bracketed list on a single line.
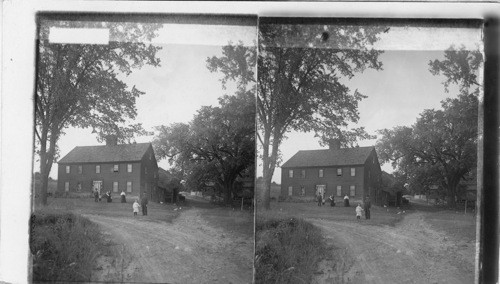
[(411, 252), (188, 250)]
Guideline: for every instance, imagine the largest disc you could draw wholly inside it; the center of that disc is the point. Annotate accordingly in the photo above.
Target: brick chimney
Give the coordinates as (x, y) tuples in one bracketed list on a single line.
[(334, 144), (111, 140)]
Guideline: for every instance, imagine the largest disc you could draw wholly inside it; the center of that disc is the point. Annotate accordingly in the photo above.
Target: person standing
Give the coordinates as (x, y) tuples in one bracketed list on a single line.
[(346, 201), (135, 207), (144, 204), (96, 195), (320, 199), (359, 211), (332, 200), (123, 197), (108, 196), (368, 205)]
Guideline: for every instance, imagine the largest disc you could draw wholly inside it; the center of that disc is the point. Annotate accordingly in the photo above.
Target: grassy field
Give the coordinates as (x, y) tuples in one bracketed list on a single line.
[(380, 215), (454, 223), (156, 211)]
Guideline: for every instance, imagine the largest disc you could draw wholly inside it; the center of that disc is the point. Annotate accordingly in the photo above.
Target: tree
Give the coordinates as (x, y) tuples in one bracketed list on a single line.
[(460, 67), (217, 145), (439, 149), (299, 84), (80, 85)]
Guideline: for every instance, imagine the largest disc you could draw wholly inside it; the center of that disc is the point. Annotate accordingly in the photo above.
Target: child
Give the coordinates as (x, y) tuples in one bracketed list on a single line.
[(136, 206), (359, 210)]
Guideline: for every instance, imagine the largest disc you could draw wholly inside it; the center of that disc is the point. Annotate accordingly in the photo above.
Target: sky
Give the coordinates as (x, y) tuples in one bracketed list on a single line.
[(177, 89)]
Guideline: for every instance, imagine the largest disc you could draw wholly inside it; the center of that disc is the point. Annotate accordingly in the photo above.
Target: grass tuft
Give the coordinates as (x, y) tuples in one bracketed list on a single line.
[(287, 250), (64, 246)]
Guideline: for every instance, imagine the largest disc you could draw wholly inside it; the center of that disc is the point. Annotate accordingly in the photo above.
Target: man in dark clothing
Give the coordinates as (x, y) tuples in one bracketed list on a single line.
[(96, 196), (320, 200), (332, 200), (144, 204), (367, 206)]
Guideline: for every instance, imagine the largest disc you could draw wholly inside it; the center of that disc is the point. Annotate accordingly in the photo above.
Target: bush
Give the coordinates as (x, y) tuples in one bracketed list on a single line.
[(64, 247), (287, 250)]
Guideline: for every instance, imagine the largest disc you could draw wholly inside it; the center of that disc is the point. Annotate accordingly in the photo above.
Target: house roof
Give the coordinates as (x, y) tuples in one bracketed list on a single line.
[(103, 154), (329, 157)]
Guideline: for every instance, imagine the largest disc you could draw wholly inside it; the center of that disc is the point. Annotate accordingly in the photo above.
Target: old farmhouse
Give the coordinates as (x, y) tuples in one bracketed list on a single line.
[(128, 167), (335, 171)]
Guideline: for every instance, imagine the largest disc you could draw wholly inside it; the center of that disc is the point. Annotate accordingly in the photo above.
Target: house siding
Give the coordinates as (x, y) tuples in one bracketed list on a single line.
[(141, 182), (366, 179), (329, 179), (107, 176)]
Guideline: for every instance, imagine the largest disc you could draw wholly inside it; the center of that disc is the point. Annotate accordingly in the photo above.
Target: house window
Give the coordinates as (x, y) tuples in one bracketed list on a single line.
[(352, 190), (339, 172), (68, 169), (353, 172), (97, 169), (129, 168), (321, 173), (339, 190), (302, 191), (115, 186), (115, 168), (303, 174), (290, 173), (80, 170), (129, 186), (66, 186), (290, 191)]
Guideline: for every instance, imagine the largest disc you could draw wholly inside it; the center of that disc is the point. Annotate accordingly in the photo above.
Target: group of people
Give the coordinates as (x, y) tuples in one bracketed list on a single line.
[(107, 196), (359, 210), (135, 206)]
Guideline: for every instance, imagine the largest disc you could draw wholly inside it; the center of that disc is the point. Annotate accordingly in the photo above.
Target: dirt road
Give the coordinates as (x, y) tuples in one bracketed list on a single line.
[(188, 250), (411, 252)]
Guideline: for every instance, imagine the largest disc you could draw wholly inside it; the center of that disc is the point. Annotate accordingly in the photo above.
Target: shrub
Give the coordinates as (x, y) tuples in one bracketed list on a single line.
[(287, 250), (64, 247)]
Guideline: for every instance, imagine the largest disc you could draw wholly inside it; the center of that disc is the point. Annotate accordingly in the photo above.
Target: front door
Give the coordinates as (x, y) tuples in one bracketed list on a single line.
[(320, 190), (97, 185)]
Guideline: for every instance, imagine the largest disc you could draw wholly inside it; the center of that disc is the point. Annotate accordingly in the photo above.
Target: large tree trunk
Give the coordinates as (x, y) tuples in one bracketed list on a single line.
[(43, 166), (269, 163), (46, 161), (228, 190), (451, 192)]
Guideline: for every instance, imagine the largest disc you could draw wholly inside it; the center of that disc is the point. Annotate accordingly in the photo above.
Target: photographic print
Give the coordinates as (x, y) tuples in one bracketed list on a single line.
[(144, 149), (367, 150), (249, 142)]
